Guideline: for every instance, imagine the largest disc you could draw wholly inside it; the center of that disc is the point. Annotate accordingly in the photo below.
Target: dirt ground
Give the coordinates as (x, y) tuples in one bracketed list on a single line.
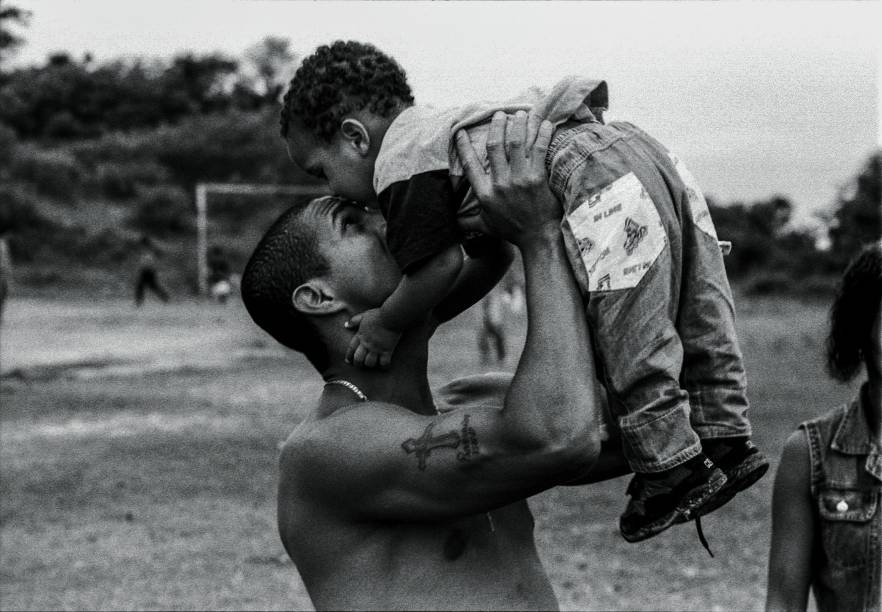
[(139, 451)]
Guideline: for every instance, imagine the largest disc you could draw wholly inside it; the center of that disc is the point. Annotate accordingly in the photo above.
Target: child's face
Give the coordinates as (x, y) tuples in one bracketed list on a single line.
[(347, 167)]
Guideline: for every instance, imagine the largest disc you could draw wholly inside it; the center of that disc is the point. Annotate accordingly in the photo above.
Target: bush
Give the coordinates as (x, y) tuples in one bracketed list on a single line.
[(770, 283), (18, 211), (230, 147), (819, 286), (20, 216), (8, 146), (162, 210), (115, 147), (781, 283), (53, 172), (122, 180)]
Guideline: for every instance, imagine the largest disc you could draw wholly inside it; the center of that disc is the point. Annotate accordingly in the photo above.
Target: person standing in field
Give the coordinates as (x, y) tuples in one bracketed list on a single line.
[(5, 272), (148, 276), (827, 497), (491, 331), (219, 283)]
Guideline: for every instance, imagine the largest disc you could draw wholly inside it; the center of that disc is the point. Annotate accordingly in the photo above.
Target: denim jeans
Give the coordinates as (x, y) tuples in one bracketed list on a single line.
[(846, 486), (644, 251)]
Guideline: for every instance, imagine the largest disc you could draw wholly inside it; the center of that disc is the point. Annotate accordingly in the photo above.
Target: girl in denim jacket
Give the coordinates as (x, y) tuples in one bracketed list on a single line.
[(826, 517)]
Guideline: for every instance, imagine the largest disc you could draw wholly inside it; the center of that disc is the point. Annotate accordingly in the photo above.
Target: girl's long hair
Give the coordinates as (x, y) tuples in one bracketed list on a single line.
[(858, 299)]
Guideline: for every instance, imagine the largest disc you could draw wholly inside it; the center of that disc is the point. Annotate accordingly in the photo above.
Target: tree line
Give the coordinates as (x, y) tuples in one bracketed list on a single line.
[(69, 98), (134, 136)]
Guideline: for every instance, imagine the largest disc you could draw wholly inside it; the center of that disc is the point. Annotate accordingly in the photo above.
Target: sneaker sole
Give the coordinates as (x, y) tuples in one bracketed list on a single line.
[(740, 478), (691, 502)]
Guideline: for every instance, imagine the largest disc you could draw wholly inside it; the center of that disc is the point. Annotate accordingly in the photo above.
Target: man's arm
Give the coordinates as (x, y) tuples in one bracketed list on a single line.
[(382, 462), (793, 528)]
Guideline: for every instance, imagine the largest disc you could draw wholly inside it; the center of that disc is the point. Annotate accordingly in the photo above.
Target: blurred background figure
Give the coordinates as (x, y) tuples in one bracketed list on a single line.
[(505, 300), (220, 280), (826, 506), (147, 276), (491, 332), (5, 272)]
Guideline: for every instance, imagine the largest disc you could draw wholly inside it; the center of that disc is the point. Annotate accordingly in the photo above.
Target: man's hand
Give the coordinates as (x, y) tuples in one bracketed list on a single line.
[(516, 201), (373, 343)]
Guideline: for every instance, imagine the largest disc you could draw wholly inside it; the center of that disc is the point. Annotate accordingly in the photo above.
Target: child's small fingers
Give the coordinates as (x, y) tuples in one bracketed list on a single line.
[(353, 322), (359, 355), (371, 360), (385, 360), (350, 352)]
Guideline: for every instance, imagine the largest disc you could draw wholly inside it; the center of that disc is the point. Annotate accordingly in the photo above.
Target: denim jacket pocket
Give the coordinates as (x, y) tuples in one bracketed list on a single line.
[(845, 524)]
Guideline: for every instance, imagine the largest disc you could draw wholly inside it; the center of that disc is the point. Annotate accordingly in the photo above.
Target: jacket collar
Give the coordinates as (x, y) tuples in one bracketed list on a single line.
[(853, 435)]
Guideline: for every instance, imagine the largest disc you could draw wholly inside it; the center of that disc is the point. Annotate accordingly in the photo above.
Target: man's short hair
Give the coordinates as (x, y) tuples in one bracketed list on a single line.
[(858, 300), (338, 79), (287, 256)]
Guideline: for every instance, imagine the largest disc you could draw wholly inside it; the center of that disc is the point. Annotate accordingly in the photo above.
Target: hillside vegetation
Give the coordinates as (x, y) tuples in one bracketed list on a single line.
[(93, 156)]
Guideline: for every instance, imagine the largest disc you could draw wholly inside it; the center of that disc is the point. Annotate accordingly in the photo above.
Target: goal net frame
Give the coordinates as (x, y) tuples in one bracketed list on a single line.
[(204, 190)]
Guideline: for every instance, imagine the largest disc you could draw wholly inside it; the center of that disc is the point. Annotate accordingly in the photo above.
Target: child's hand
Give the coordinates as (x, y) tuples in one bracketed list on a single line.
[(373, 344)]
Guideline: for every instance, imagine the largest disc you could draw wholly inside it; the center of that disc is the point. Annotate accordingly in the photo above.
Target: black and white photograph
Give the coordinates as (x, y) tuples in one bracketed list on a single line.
[(624, 353)]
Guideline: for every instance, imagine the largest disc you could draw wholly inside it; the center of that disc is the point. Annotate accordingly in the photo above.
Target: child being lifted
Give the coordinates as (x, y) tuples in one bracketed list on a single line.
[(638, 234)]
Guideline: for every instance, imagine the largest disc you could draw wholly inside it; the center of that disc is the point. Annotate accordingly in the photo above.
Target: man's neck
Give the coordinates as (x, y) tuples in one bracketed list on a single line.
[(404, 383)]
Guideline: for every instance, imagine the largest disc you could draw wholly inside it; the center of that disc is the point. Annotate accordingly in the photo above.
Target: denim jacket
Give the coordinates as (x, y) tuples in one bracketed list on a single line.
[(846, 485)]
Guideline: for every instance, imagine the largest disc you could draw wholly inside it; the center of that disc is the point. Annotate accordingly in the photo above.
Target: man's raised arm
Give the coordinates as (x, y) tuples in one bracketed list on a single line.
[(554, 394)]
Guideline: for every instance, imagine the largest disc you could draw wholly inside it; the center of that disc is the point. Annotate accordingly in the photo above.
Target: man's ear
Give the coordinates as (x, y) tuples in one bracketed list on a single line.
[(316, 297), (356, 134)]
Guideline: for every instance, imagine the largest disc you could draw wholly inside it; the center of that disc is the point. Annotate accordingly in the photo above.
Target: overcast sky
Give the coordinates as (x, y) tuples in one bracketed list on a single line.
[(758, 98)]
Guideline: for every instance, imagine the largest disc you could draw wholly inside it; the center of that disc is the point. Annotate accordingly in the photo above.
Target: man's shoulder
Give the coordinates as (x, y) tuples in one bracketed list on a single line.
[(316, 425), (316, 432)]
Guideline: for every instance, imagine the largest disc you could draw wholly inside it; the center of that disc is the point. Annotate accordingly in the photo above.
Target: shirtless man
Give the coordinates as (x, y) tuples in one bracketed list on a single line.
[(384, 501)]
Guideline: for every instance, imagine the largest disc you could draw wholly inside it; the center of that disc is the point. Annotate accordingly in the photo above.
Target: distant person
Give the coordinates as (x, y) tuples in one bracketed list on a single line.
[(491, 331), (147, 275), (5, 272), (219, 278), (504, 300), (639, 238), (827, 498)]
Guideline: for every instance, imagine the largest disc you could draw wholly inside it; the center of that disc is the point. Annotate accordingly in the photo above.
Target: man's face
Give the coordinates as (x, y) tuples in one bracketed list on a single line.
[(348, 173), (353, 242)]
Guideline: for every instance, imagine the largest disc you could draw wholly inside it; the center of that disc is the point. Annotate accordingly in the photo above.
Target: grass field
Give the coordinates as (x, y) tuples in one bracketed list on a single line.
[(139, 450)]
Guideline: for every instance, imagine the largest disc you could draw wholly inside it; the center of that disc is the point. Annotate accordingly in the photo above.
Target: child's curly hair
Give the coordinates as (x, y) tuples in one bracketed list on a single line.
[(857, 302), (338, 79)]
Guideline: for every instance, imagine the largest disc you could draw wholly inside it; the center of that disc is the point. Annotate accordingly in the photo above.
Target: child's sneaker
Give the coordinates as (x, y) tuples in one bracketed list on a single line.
[(741, 462), (663, 499)]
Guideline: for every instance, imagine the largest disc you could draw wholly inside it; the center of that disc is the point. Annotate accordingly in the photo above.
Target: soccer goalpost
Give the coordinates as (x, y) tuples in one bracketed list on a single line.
[(204, 190)]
